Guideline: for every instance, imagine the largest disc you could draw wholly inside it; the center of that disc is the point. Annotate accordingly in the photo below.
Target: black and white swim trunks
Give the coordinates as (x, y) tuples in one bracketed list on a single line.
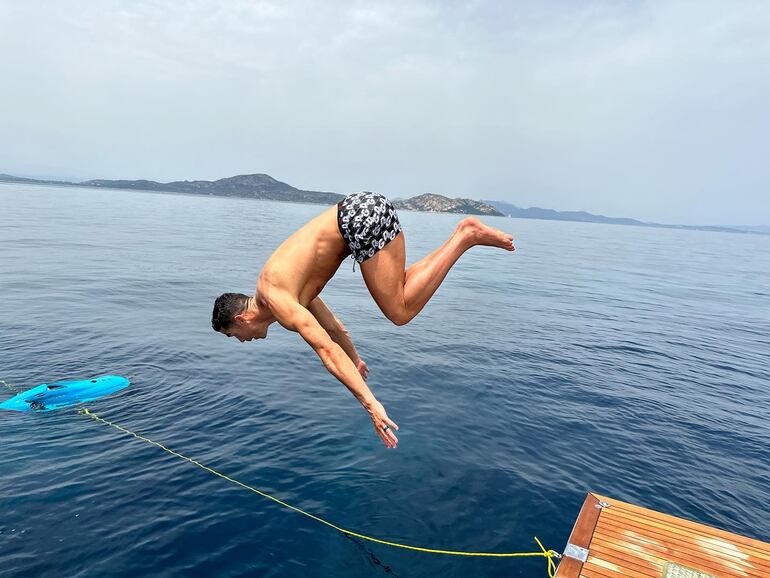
[(367, 222)]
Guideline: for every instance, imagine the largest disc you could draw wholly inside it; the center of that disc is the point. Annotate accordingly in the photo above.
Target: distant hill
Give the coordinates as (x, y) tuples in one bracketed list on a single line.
[(433, 203), (752, 228), (582, 216), (257, 186), (552, 215), (262, 186), (11, 179)]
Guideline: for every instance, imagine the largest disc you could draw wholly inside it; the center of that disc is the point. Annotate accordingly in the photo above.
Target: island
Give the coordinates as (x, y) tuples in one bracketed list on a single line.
[(262, 186)]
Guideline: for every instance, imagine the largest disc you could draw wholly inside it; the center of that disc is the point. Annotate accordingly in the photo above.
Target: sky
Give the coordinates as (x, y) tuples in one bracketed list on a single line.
[(653, 110)]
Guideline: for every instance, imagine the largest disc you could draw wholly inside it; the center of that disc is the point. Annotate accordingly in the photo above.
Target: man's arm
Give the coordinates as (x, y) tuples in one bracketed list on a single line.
[(293, 316), (338, 333)]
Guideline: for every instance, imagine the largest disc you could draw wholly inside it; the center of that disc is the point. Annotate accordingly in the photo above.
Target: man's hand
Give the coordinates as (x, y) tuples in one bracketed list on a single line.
[(362, 368), (383, 425)]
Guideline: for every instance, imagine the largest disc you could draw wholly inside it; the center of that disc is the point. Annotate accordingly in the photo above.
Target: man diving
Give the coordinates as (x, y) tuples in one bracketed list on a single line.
[(365, 226)]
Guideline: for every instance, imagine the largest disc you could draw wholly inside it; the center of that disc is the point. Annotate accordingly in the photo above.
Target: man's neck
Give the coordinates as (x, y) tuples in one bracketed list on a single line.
[(260, 311)]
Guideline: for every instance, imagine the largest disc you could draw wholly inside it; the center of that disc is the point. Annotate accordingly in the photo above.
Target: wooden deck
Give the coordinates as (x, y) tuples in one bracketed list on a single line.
[(627, 540)]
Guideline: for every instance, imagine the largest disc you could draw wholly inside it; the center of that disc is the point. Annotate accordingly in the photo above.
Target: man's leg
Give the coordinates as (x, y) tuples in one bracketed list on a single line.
[(401, 294)]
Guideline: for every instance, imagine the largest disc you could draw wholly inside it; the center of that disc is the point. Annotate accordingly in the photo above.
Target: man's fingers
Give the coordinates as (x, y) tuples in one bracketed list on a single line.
[(388, 437), (391, 436), (384, 426), (383, 436)]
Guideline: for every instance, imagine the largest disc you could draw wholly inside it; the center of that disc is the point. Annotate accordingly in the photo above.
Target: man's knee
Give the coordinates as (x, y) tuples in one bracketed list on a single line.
[(400, 317)]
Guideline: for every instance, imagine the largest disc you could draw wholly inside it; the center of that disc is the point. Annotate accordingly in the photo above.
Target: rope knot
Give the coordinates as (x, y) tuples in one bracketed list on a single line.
[(550, 556)]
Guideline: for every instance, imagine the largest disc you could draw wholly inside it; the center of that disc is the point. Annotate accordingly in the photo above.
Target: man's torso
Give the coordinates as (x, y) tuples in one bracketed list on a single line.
[(304, 263)]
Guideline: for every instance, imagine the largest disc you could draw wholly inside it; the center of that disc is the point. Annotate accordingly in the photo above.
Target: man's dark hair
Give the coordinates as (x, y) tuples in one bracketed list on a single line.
[(226, 307)]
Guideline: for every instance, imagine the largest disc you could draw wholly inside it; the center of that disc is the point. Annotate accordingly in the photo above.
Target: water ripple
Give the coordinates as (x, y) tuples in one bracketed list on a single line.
[(594, 358)]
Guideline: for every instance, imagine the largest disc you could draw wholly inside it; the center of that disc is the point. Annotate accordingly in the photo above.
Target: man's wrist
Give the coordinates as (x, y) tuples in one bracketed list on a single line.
[(368, 402)]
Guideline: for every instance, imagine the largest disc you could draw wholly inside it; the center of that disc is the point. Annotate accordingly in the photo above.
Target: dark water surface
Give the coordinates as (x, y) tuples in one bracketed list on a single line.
[(624, 360)]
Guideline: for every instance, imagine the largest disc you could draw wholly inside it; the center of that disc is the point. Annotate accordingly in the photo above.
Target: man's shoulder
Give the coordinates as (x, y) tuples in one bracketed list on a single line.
[(268, 278), (270, 291)]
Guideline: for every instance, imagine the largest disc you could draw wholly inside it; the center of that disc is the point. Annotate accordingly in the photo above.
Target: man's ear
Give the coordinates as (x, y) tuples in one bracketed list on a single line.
[(239, 319)]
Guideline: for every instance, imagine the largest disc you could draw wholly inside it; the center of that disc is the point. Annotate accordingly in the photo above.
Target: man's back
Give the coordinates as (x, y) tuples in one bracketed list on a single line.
[(304, 263)]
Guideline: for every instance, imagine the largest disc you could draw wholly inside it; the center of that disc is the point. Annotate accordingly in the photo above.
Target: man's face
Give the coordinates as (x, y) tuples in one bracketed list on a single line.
[(245, 331)]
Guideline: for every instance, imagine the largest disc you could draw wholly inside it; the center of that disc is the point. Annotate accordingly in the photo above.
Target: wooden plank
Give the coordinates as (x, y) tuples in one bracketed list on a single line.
[(678, 541), (684, 555), (614, 566), (700, 540), (642, 565), (595, 569), (681, 522), (662, 554), (657, 531), (589, 572), (688, 527), (581, 536), (688, 543), (733, 555), (592, 571)]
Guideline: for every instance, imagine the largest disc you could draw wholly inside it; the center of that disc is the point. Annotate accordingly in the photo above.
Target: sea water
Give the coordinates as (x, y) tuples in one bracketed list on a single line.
[(624, 360)]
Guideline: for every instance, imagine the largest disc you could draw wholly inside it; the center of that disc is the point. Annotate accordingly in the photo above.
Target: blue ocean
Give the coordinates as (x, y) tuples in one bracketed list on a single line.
[(633, 362)]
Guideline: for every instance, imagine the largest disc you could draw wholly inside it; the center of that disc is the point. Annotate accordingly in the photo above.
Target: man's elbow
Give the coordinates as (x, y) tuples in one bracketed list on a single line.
[(341, 330), (339, 336)]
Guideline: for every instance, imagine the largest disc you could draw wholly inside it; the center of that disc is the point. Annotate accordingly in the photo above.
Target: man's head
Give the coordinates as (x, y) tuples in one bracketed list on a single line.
[(238, 315)]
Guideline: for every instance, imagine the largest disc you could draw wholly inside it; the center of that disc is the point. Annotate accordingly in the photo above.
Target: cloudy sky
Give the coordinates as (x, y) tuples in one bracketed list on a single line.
[(653, 110)]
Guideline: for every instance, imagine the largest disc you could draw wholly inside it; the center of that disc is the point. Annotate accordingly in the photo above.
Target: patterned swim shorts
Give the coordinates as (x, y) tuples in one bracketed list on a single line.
[(367, 222)]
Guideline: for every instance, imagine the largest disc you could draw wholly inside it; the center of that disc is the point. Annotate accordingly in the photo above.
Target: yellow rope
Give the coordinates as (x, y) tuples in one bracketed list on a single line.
[(9, 386), (549, 555)]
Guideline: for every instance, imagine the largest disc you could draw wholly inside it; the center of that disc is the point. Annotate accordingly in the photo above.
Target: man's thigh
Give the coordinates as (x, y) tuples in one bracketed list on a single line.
[(384, 274)]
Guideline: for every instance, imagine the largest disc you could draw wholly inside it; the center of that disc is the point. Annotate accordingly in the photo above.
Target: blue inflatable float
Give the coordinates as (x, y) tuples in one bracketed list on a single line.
[(48, 396)]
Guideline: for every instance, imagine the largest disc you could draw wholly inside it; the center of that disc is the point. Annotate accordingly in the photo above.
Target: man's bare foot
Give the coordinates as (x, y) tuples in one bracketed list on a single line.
[(477, 233)]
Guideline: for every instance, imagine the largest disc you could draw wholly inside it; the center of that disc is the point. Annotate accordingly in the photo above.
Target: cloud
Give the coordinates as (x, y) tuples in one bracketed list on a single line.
[(655, 110)]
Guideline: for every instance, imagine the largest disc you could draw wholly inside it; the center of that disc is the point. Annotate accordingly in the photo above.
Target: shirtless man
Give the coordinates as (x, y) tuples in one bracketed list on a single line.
[(365, 226)]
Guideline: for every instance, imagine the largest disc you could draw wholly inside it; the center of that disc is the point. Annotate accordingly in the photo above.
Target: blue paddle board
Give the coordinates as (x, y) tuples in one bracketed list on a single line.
[(48, 396)]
